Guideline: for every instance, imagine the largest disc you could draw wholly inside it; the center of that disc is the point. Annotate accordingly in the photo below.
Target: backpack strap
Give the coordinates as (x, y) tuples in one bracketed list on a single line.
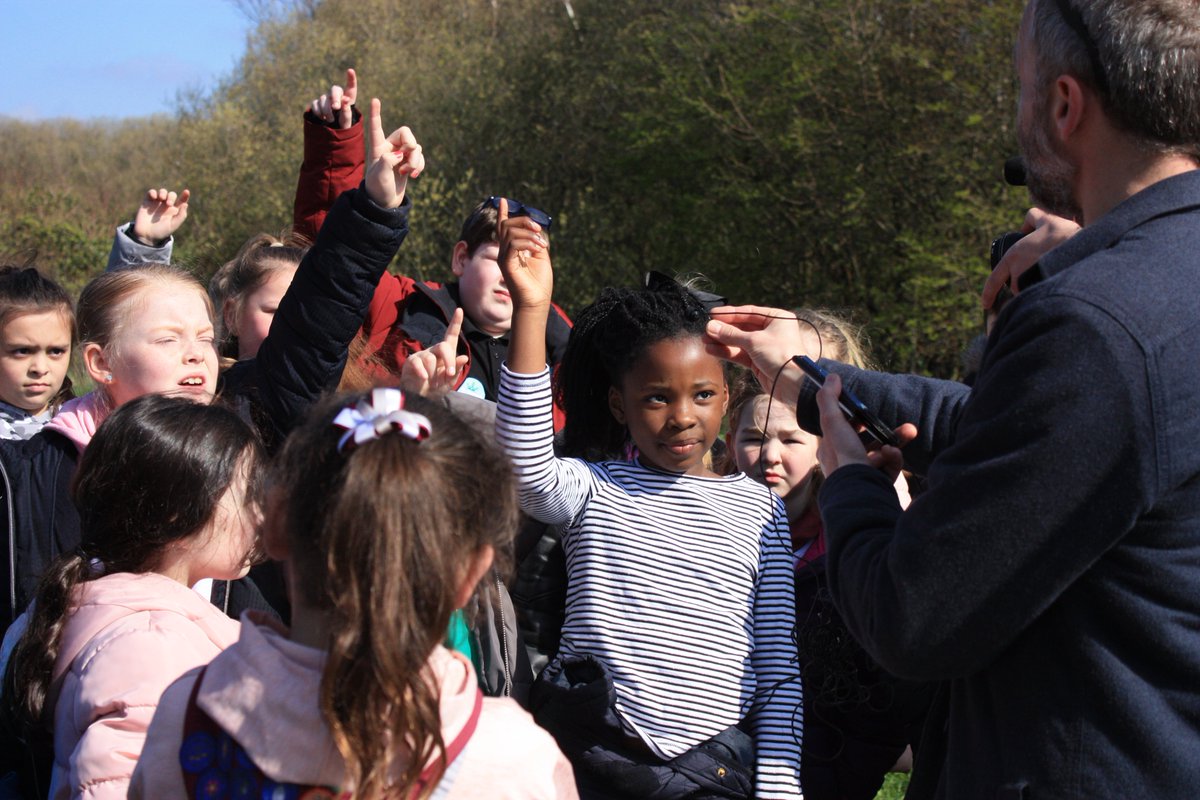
[(454, 748)]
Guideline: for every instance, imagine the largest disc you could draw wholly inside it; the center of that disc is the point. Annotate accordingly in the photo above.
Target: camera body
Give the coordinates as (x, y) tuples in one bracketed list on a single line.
[(1001, 245)]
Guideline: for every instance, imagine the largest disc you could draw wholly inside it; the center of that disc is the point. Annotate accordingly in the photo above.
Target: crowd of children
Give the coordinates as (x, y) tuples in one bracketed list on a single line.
[(246, 564)]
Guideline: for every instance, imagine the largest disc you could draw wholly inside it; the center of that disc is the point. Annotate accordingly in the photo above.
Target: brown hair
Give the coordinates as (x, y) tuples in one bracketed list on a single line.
[(25, 289), (480, 227), (382, 537), (170, 461), (247, 271)]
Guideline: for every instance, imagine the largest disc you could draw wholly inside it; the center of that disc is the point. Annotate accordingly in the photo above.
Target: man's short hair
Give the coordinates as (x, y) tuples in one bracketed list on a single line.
[(1141, 56)]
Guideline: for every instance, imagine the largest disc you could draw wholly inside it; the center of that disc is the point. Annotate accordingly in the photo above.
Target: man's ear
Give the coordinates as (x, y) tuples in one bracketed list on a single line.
[(1068, 103), (96, 362), (616, 404), (479, 566), (458, 261)]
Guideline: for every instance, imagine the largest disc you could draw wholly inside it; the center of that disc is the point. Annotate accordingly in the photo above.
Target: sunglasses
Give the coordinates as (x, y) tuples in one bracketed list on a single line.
[(518, 209)]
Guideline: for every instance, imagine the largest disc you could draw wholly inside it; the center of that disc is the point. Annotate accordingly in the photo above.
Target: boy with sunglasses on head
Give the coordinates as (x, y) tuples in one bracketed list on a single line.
[(406, 315)]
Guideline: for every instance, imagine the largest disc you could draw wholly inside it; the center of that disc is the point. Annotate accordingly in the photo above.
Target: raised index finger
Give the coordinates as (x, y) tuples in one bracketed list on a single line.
[(377, 137), (455, 327), (351, 91)]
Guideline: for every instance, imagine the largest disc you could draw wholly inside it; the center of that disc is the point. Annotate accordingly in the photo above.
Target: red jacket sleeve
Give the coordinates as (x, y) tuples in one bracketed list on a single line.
[(333, 163)]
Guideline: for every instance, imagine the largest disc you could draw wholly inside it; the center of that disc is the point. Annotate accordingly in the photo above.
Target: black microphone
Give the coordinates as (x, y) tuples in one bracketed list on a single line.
[(1014, 171)]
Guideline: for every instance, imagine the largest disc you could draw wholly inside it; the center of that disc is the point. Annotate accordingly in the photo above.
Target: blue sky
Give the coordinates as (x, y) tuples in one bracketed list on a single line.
[(91, 58)]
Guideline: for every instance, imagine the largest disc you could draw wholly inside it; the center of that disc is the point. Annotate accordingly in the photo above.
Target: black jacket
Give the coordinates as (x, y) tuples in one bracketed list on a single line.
[(1048, 573), (303, 356)]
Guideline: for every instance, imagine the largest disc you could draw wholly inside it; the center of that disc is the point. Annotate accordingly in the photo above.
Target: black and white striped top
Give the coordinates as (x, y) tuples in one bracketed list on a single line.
[(680, 585)]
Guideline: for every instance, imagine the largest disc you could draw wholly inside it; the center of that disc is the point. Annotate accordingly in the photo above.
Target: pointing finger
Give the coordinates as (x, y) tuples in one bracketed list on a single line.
[(376, 123)]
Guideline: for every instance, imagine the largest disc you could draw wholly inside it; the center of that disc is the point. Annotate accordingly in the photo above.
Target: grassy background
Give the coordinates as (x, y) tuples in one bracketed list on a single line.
[(894, 786)]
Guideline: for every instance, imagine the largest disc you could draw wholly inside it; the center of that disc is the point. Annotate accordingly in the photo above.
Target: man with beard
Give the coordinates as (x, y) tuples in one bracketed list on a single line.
[(1050, 574)]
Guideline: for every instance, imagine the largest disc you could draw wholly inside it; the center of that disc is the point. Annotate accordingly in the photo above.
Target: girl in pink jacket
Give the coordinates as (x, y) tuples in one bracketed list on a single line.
[(385, 510), (166, 497)]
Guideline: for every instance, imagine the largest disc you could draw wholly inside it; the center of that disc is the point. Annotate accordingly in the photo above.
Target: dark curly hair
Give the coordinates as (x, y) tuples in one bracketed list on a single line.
[(608, 338)]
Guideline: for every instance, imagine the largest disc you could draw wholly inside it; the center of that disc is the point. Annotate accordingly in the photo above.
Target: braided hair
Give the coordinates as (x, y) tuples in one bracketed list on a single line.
[(608, 338)]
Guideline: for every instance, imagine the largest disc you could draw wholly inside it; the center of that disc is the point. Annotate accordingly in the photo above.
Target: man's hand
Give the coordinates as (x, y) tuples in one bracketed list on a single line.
[(1044, 232), (159, 216), (763, 340), (337, 105), (840, 443), (391, 161)]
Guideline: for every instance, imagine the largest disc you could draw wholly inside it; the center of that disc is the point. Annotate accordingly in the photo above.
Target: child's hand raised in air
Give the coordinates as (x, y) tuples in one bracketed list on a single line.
[(159, 216), (436, 369), (337, 105), (391, 161), (524, 260)]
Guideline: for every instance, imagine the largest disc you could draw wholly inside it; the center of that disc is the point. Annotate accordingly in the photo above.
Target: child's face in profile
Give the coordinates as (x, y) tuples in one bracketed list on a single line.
[(224, 548), (672, 401), (485, 298), (35, 351), (775, 451)]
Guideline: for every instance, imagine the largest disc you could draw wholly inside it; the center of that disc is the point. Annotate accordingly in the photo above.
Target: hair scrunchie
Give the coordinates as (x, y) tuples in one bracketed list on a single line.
[(382, 413)]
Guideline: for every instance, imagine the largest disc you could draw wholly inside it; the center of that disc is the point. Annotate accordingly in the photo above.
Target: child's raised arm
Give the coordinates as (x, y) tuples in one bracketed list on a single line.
[(306, 349), (333, 155), (148, 238), (525, 263)]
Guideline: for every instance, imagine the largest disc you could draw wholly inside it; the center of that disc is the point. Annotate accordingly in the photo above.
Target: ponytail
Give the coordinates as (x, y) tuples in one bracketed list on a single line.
[(382, 535), (31, 665)]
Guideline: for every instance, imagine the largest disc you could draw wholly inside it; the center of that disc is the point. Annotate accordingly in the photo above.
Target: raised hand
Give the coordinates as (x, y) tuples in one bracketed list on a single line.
[(337, 105), (391, 161), (159, 216), (524, 260), (436, 369)]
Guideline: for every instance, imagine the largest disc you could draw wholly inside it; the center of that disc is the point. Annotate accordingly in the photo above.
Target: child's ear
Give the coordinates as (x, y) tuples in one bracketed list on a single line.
[(274, 534), (475, 572), (616, 405), (458, 261), (96, 362)]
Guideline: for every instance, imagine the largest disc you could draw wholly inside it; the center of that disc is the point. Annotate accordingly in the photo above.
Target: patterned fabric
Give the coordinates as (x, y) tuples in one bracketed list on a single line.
[(16, 423)]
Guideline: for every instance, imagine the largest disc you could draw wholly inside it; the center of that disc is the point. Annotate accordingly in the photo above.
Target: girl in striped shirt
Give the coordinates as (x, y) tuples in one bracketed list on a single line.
[(676, 674)]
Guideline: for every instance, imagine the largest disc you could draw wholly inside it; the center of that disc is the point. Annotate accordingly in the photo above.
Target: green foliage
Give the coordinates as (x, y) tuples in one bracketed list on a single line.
[(841, 153), (894, 786)]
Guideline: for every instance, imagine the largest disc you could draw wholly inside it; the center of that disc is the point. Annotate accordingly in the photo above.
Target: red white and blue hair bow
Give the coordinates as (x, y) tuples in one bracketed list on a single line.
[(382, 413)]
